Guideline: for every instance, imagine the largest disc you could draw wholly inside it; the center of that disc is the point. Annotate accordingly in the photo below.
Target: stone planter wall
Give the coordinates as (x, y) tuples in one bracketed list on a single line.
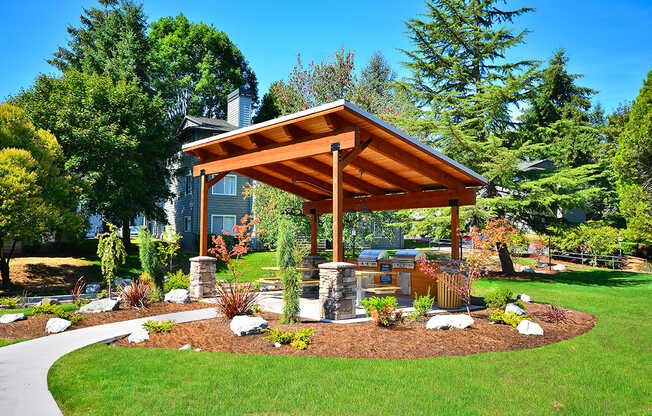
[(202, 277), (337, 290)]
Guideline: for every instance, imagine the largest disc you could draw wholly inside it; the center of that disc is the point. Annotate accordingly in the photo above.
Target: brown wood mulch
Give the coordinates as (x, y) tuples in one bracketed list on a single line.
[(367, 340), (34, 326)]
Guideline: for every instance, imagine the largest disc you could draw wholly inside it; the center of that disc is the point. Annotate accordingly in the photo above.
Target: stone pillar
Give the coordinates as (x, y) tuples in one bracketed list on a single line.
[(337, 290), (202, 277), (311, 262)]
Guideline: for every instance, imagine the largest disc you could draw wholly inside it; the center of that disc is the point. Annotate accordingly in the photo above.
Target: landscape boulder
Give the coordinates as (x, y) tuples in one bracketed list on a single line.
[(56, 325), (101, 305), (514, 308), (247, 325), (449, 321), (542, 264), (525, 298), (92, 289), (11, 317), (527, 269), (185, 347), (177, 296), (526, 327), (138, 336), (559, 267)]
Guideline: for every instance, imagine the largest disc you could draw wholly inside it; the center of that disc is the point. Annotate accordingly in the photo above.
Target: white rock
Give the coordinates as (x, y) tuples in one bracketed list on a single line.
[(527, 269), (138, 335), (11, 317), (514, 308), (559, 267), (542, 264), (56, 325), (449, 321), (185, 347), (247, 325), (92, 288), (525, 298), (277, 345), (101, 305), (526, 327), (197, 349), (177, 296)]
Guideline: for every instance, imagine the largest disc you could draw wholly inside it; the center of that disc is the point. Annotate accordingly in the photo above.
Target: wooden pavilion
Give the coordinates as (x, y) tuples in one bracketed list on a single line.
[(337, 157)]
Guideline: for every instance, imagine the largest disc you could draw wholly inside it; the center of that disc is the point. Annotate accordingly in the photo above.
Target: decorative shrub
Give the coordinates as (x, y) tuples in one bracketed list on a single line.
[(498, 298), (178, 280), (276, 335), (136, 295), (234, 299), (103, 293), (58, 311), (149, 258), (169, 247), (9, 303), (555, 314), (422, 304), (302, 338), (519, 303), (291, 296), (509, 318), (382, 310), (78, 290), (159, 326)]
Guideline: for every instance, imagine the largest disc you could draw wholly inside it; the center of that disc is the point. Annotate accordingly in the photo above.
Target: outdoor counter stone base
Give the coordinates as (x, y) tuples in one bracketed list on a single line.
[(337, 290), (311, 262), (202, 277)]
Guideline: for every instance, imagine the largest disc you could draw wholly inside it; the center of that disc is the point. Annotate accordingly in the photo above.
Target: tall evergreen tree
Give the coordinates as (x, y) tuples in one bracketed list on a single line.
[(632, 164)]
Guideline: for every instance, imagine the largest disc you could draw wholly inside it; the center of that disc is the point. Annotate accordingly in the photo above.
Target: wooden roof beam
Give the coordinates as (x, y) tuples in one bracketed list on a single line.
[(385, 175), (326, 170), (295, 176), (279, 152), (294, 132), (392, 202), (412, 162), (263, 177)]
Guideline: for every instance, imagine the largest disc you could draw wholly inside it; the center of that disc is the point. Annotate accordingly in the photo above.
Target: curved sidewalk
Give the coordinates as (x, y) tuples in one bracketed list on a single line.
[(24, 366)]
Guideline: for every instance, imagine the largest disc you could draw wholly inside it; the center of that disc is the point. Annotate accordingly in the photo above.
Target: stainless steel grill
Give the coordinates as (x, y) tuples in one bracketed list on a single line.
[(406, 259), (370, 258)]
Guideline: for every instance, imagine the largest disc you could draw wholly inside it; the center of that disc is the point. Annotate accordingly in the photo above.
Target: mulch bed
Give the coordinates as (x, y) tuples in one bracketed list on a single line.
[(34, 326), (367, 340)]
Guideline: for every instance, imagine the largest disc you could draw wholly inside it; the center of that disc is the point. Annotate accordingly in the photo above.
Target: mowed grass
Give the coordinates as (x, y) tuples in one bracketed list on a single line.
[(250, 267), (4, 341), (30, 311), (606, 371)]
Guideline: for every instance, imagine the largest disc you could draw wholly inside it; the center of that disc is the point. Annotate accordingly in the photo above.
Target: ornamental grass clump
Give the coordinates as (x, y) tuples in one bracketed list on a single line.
[(137, 294), (383, 310), (234, 298)]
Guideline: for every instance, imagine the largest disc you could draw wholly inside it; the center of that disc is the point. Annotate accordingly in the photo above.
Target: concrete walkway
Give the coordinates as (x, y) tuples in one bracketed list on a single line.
[(24, 366)]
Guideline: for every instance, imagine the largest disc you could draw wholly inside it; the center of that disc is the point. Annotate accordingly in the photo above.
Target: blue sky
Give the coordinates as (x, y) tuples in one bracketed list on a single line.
[(610, 42)]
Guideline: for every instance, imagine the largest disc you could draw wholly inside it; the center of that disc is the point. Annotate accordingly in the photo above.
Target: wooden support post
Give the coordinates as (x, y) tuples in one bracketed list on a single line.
[(203, 219), (338, 199), (455, 226), (313, 232)]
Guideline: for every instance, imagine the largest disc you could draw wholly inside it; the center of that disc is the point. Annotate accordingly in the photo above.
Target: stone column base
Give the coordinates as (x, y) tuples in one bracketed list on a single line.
[(311, 262), (202, 277), (337, 290)]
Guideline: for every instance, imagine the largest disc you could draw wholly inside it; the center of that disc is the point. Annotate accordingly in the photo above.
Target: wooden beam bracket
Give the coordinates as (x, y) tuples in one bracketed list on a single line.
[(354, 153)]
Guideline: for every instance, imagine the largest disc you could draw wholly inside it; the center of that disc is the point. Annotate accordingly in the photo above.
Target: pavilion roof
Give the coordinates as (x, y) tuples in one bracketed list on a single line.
[(294, 153)]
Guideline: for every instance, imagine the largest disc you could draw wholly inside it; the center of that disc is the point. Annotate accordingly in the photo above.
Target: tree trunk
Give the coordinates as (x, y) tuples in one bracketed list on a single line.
[(505, 259), (126, 235), (5, 258)]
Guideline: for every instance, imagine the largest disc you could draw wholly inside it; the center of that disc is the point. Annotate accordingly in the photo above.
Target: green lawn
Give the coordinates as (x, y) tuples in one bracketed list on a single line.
[(250, 268), (29, 311), (606, 371), (4, 341)]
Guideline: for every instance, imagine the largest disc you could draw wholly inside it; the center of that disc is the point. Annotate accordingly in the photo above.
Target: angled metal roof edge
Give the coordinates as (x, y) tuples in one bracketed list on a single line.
[(352, 107)]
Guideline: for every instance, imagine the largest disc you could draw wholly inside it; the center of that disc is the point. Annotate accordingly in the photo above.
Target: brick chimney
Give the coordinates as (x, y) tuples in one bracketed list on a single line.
[(238, 110)]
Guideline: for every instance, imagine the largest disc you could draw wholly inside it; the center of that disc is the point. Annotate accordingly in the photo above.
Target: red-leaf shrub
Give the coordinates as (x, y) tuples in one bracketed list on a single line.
[(234, 299), (137, 294), (555, 314)]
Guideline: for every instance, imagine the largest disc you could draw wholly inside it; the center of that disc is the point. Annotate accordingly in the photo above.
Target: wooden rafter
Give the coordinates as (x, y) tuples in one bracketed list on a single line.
[(385, 175), (315, 165), (352, 154), (258, 175), (307, 147), (296, 176), (430, 199)]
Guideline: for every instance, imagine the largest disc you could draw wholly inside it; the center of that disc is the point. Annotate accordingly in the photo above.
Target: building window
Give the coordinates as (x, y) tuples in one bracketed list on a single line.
[(188, 185), (187, 224), (226, 186), (222, 224)]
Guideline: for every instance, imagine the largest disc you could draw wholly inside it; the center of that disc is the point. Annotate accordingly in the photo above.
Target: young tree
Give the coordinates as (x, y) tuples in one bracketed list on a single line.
[(111, 251), (194, 67), (36, 196), (632, 164), (169, 248)]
